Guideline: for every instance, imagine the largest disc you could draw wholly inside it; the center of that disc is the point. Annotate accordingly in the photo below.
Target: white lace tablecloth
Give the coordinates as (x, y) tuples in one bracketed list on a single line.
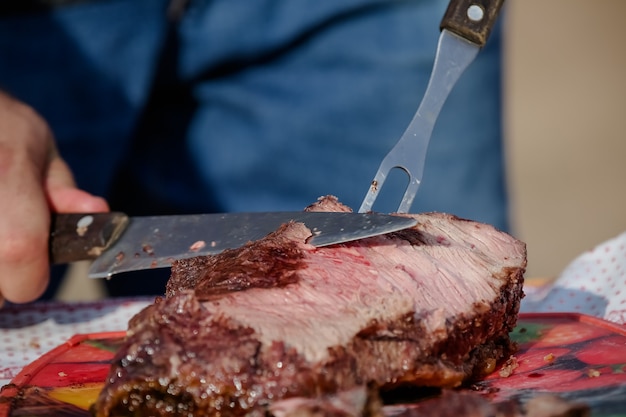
[(29, 331), (594, 284)]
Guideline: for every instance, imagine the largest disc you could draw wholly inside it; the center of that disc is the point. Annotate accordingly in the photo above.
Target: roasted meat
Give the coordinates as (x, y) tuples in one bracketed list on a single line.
[(280, 319)]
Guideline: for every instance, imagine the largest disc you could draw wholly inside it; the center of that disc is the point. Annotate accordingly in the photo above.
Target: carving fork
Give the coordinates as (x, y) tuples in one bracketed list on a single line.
[(465, 28)]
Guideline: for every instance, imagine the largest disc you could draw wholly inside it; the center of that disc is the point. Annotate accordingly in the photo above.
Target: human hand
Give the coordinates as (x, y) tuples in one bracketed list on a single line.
[(34, 181)]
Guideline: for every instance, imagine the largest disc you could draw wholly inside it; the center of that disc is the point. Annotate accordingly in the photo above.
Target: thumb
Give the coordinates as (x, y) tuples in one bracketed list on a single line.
[(63, 195)]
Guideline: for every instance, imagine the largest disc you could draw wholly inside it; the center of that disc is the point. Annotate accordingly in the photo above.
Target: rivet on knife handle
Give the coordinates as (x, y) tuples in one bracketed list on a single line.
[(471, 19), (82, 236)]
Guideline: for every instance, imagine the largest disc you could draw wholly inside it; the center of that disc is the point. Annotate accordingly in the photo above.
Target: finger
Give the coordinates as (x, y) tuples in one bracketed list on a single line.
[(62, 194), (24, 220), (24, 265)]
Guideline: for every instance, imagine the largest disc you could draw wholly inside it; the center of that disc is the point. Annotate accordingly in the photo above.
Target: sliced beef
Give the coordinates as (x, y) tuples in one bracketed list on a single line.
[(470, 404), (280, 319), (358, 401)]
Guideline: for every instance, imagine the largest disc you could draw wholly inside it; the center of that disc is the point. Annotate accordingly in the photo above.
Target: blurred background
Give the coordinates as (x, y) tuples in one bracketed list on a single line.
[(565, 118), (565, 72)]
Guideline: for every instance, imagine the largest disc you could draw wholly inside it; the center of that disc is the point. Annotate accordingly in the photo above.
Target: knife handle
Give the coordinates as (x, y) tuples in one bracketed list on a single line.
[(83, 236), (471, 19)]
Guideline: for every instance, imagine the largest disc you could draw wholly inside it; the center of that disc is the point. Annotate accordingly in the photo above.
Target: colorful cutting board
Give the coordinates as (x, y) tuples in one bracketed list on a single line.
[(577, 357)]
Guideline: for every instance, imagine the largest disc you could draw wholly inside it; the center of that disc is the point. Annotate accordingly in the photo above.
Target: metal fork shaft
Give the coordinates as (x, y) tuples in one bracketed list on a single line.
[(453, 56)]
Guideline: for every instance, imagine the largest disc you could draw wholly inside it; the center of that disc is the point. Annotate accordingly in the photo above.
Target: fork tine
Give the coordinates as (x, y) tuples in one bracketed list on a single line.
[(409, 195), (372, 193), (379, 180)]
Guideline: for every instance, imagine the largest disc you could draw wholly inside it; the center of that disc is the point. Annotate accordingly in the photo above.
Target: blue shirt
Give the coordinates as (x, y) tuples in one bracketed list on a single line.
[(254, 106)]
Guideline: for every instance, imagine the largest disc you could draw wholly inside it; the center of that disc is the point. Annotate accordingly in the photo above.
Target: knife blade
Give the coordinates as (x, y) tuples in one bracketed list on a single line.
[(465, 28), (119, 243)]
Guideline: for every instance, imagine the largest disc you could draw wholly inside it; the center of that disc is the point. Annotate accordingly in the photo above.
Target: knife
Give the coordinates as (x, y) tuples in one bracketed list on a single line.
[(465, 28), (119, 243)]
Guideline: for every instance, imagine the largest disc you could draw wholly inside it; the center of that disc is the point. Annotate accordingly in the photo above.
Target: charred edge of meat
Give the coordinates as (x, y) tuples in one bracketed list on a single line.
[(470, 347), (270, 262), (328, 203), (135, 401), (157, 368), (243, 376)]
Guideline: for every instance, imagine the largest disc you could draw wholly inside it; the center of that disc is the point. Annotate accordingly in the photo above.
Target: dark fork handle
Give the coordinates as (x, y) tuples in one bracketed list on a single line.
[(457, 19)]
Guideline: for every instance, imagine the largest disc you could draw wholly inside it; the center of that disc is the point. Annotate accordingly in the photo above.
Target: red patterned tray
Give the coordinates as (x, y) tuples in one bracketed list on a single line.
[(575, 356)]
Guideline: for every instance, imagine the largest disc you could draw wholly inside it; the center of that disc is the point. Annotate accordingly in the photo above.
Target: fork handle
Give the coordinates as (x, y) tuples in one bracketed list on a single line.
[(471, 19)]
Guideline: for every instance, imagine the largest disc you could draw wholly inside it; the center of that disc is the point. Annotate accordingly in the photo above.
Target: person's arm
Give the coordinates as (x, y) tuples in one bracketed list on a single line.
[(34, 181)]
